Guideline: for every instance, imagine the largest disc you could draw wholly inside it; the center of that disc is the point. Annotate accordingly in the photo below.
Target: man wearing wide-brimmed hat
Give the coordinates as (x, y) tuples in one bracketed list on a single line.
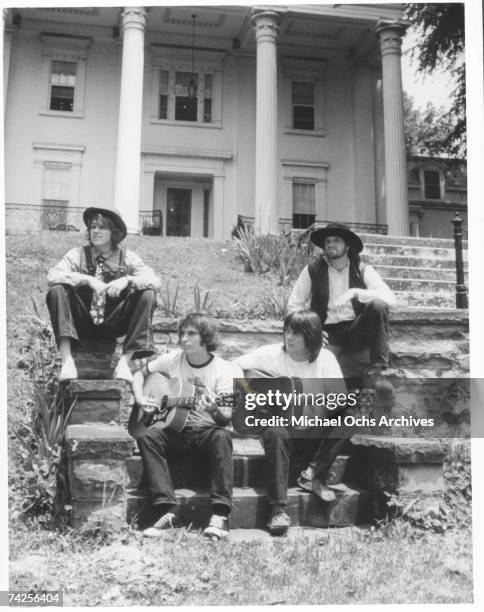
[(350, 296), (102, 290)]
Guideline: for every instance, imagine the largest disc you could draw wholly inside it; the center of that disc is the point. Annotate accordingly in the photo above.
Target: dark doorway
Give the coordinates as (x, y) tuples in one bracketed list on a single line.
[(178, 212)]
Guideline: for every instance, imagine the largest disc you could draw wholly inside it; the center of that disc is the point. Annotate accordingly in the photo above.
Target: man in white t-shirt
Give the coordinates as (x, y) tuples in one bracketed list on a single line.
[(301, 355), (349, 296), (204, 433)]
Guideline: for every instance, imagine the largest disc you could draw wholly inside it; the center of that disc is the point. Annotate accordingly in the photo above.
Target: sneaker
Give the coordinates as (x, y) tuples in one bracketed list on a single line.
[(305, 481), (317, 487), (68, 370), (167, 521), (218, 528), (323, 492), (123, 372), (279, 523)]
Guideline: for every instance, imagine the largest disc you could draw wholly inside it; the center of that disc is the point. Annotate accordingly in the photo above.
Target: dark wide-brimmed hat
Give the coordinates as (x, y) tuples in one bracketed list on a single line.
[(89, 213), (319, 235)]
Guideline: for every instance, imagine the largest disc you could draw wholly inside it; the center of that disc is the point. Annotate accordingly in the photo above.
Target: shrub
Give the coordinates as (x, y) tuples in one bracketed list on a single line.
[(271, 253)]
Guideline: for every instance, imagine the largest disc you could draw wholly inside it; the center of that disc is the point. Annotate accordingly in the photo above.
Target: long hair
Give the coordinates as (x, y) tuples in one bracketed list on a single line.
[(205, 326), (116, 234), (307, 323)]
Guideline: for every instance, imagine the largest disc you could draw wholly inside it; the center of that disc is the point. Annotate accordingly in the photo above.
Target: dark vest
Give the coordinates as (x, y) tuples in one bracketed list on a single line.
[(318, 273), (109, 273)]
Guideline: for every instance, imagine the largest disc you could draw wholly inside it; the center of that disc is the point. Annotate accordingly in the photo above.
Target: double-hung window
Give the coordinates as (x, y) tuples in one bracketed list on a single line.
[(63, 73), (303, 93), (302, 105), (62, 86), (304, 204), (172, 79)]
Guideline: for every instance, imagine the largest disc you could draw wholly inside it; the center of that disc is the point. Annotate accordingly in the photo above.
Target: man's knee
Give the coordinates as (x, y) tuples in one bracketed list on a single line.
[(146, 296), (57, 292), (377, 308), (276, 435), (221, 438)]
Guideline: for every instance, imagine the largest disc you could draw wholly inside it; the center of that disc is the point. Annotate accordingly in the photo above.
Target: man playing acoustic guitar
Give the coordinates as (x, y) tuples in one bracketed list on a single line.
[(301, 355), (204, 432)]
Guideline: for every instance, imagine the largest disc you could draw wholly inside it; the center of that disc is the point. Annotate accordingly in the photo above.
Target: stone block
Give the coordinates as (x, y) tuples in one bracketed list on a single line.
[(95, 411), (398, 450), (251, 509), (98, 441), (96, 514), (97, 479), (95, 389), (95, 358)]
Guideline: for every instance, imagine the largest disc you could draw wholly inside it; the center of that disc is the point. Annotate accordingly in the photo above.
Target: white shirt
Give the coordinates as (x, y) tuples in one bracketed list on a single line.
[(72, 268), (216, 376), (338, 281), (275, 361)]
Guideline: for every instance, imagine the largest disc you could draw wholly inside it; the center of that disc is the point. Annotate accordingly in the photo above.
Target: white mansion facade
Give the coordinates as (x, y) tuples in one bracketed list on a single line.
[(295, 114)]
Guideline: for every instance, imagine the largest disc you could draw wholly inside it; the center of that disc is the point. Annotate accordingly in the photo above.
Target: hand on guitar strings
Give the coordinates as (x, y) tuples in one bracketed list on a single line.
[(207, 402), (147, 403)]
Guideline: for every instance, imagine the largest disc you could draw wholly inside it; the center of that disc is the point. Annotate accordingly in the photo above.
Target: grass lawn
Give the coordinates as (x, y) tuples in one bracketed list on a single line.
[(394, 564), (336, 566)]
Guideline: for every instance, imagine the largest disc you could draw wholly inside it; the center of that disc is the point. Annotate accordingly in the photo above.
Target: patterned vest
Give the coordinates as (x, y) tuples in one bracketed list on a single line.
[(109, 274), (318, 273)]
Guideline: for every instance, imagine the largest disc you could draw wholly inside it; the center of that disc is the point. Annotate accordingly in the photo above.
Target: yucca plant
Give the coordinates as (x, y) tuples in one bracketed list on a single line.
[(169, 301), (201, 304), (41, 438)]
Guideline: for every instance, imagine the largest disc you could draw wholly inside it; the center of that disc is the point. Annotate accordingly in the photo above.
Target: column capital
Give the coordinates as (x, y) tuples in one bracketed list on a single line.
[(133, 17), (266, 24), (390, 36)]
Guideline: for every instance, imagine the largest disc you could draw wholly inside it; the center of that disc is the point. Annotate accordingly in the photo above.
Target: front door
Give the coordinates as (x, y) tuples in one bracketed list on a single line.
[(178, 212)]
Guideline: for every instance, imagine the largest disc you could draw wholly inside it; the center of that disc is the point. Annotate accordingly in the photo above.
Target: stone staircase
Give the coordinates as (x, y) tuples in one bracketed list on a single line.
[(429, 352), (421, 271)]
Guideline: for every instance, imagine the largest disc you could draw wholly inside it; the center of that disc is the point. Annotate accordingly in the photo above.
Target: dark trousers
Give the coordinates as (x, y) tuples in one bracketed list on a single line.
[(156, 445), (369, 330), (322, 451), (129, 315)]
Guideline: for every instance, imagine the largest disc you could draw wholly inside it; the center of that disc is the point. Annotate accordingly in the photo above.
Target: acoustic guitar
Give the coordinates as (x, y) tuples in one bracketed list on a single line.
[(257, 381), (174, 398)]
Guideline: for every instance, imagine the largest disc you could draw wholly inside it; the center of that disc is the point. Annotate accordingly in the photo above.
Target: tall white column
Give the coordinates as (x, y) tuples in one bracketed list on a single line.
[(390, 36), (128, 157), (266, 27)]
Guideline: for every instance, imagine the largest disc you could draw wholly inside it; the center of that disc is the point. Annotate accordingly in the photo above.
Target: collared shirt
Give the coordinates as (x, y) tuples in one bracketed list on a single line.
[(338, 281), (72, 268)]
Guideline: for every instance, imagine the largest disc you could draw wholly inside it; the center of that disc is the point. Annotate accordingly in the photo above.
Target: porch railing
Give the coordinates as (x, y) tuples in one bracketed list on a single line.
[(151, 222), (286, 225)]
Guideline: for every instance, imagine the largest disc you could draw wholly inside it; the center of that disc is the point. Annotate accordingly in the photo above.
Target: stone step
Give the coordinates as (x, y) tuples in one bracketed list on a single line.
[(249, 468), (251, 509), (426, 252), (421, 285), (410, 240), (96, 401), (418, 299), (400, 272), (410, 261)]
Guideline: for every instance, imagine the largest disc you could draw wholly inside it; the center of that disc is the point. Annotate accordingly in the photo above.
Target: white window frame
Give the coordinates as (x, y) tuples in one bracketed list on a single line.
[(302, 171), (65, 49), (66, 157), (307, 71), (171, 60)]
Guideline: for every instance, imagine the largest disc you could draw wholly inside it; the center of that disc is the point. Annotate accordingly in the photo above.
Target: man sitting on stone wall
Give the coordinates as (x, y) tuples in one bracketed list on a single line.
[(102, 290), (349, 296), (204, 432)]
